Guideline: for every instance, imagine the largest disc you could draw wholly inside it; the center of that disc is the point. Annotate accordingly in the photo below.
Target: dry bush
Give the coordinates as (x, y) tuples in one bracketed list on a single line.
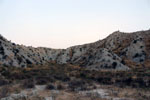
[(60, 87), (28, 84), (3, 81), (77, 85), (50, 87), (4, 91)]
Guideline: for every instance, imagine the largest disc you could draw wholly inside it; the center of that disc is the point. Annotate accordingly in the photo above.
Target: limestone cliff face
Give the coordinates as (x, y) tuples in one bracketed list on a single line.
[(118, 51)]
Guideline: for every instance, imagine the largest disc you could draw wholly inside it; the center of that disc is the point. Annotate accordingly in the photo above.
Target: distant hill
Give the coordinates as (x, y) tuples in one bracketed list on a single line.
[(119, 51)]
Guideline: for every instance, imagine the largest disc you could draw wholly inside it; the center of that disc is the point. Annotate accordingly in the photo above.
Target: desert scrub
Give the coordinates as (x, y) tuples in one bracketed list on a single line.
[(50, 87), (3, 82), (4, 91), (30, 83)]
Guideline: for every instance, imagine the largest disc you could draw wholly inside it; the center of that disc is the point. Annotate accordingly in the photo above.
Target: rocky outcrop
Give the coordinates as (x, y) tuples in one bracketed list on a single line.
[(109, 53)]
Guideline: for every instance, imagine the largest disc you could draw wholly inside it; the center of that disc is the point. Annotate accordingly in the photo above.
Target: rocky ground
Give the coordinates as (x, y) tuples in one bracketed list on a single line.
[(40, 92)]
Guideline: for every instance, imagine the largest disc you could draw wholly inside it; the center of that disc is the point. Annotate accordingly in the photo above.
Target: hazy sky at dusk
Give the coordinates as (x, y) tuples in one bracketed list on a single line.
[(64, 23)]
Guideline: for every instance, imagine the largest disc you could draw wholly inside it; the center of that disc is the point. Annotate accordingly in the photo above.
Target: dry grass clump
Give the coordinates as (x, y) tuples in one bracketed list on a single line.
[(4, 91), (3, 81), (50, 87), (137, 94), (27, 84)]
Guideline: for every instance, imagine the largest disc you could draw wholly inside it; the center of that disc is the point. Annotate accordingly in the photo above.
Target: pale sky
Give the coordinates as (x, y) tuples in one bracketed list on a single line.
[(64, 23)]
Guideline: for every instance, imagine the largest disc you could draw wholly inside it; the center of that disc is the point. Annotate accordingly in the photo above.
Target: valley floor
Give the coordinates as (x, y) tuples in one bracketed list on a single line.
[(100, 93), (67, 82)]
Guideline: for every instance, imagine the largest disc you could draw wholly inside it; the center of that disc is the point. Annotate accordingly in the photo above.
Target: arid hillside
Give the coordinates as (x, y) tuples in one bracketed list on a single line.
[(119, 51)]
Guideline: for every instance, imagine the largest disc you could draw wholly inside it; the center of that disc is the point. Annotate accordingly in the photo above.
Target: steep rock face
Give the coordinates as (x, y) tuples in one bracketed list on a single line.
[(108, 53)]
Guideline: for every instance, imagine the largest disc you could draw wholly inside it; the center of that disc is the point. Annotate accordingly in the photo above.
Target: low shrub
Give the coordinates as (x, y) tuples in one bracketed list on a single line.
[(60, 87), (77, 85), (3, 82), (4, 91), (28, 84), (41, 81), (50, 87)]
